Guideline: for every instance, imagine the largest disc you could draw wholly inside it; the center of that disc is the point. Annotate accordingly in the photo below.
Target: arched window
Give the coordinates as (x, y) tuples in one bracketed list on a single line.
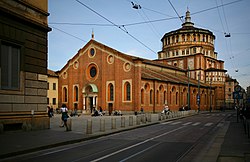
[(65, 94), (170, 97), (188, 37), (151, 96), (110, 92), (165, 98), (75, 93), (183, 38), (157, 97), (194, 50), (184, 97), (142, 96), (127, 89), (176, 98), (177, 38), (205, 99)]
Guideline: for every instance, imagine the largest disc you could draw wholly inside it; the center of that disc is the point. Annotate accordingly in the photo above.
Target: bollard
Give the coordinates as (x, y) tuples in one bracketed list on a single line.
[(89, 126), (159, 117), (138, 120), (143, 118), (163, 116), (69, 124), (130, 120), (102, 125), (149, 117), (123, 122), (113, 123)]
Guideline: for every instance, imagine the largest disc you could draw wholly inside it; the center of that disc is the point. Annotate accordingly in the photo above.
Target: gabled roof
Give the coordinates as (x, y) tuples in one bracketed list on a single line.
[(168, 77), (51, 73), (120, 54)]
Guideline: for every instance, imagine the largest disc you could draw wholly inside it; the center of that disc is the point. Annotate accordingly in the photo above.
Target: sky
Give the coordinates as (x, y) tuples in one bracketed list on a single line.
[(138, 32)]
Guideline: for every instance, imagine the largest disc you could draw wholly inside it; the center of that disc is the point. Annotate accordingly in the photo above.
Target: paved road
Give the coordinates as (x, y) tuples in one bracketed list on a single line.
[(178, 140)]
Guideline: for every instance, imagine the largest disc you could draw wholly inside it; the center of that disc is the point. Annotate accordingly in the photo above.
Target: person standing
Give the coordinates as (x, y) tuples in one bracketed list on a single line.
[(64, 111)]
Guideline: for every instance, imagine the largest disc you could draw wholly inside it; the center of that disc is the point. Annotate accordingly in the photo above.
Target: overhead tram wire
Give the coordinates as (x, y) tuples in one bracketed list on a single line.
[(151, 25), (156, 12), (230, 43), (194, 13), (124, 30), (220, 17), (227, 35), (68, 34), (120, 25), (225, 16), (180, 17), (83, 24), (152, 21)]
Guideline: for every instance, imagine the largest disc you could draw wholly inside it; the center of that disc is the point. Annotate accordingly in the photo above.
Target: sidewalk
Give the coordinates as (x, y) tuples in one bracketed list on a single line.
[(233, 143), (20, 142), (236, 145)]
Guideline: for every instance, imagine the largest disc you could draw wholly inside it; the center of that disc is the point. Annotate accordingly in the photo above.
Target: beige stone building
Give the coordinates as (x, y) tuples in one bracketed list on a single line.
[(23, 66), (230, 85), (52, 94)]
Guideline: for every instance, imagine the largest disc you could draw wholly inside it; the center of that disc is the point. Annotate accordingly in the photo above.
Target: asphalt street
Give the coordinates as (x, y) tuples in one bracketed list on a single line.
[(184, 139)]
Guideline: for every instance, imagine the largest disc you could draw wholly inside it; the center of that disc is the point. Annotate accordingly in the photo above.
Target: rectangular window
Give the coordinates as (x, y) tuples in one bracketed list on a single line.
[(54, 101), (10, 67), (54, 86), (47, 85), (47, 100)]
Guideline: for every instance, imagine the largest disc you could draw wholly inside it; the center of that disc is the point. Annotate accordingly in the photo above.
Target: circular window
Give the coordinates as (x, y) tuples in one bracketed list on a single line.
[(76, 64), (127, 67), (110, 59), (92, 71), (147, 87), (65, 75), (92, 52)]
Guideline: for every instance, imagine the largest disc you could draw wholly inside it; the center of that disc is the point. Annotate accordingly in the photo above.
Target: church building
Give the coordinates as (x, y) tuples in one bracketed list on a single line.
[(186, 72), (192, 49)]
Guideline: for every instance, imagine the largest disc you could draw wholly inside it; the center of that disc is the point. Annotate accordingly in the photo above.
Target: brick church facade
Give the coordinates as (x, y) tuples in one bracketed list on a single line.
[(99, 75)]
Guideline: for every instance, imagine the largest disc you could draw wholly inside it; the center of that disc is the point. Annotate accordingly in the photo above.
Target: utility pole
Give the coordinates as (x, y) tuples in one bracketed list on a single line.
[(188, 90), (198, 97), (210, 109)]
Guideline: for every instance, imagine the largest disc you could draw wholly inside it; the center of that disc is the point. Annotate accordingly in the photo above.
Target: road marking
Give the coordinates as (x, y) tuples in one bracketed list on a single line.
[(208, 124), (137, 144), (197, 123), (187, 123), (138, 153), (167, 122), (175, 123)]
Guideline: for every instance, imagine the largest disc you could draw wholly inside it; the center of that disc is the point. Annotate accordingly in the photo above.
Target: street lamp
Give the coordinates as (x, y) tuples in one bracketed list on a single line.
[(210, 109)]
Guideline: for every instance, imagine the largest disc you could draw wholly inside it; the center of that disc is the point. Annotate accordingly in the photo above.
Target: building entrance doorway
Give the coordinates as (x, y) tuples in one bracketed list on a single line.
[(90, 98)]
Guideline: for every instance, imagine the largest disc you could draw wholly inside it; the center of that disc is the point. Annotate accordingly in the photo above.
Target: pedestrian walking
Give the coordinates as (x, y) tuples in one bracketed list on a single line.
[(64, 111)]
